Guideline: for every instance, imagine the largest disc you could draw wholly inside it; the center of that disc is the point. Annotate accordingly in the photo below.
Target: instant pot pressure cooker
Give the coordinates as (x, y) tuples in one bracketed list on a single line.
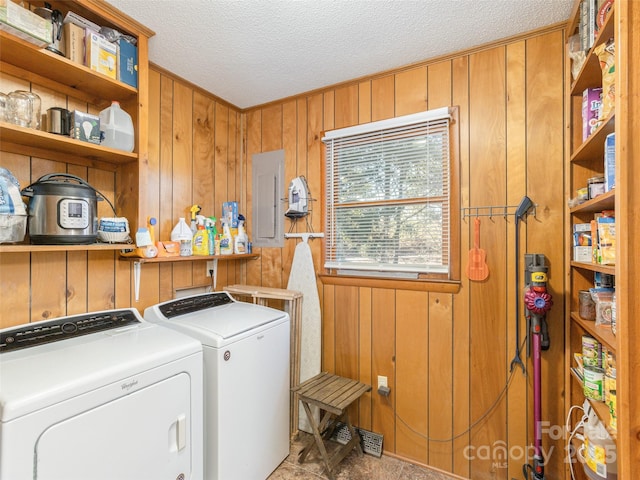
[(62, 210)]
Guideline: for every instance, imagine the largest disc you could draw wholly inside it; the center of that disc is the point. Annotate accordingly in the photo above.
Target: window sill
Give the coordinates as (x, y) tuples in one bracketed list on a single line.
[(430, 285)]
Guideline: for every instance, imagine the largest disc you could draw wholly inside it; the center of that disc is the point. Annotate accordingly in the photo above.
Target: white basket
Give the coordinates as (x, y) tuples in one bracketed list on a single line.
[(12, 228), (113, 237)]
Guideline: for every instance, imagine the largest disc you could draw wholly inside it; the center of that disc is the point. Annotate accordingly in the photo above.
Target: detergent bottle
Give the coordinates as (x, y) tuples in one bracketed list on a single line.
[(226, 242), (210, 225), (201, 237), (241, 239), (181, 233)]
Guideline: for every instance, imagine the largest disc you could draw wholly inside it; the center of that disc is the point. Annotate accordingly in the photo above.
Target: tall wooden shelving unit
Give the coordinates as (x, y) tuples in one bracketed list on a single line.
[(584, 160)]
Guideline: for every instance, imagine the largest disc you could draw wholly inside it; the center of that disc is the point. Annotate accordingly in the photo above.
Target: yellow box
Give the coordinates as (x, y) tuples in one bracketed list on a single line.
[(100, 54)]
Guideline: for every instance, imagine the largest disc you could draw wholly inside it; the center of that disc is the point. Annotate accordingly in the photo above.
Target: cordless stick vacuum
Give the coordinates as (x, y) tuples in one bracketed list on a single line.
[(537, 303)]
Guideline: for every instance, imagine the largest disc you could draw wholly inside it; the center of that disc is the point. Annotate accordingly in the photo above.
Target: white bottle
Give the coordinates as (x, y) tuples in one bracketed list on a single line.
[(117, 127), (181, 233), (241, 240)]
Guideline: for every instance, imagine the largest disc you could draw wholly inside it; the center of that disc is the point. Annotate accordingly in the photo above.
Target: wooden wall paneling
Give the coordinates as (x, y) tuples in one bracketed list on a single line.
[(439, 85), (15, 276), (182, 170), (364, 101), (411, 91), (294, 115), (328, 329), (440, 378), (346, 106), (329, 110), (382, 99), (225, 186), (240, 177), (383, 341), (517, 398), (488, 320), (346, 331), (545, 155), (411, 389), (314, 168), (272, 140), (462, 313), (365, 356), (253, 145), (204, 123)]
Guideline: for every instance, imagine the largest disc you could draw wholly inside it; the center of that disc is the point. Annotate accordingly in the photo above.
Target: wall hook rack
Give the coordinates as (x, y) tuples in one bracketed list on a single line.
[(493, 211)]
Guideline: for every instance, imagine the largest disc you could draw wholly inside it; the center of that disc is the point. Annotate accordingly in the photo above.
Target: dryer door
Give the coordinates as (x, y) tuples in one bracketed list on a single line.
[(145, 434)]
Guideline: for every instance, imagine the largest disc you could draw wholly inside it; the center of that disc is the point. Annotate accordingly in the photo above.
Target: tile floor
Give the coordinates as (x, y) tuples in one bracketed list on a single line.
[(353, 467)]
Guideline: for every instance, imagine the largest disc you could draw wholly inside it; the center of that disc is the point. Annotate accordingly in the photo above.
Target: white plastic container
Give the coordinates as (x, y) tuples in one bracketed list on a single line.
[(117, 127), (181, 233)]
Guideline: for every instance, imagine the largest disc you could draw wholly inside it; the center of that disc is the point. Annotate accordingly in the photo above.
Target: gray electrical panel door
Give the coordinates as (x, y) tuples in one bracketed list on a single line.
[(268, 207)]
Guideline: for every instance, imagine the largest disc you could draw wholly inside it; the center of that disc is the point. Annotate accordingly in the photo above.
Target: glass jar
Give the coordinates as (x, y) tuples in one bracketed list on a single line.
[(587, 305), (36, 113), (20, 110), (4, 107)]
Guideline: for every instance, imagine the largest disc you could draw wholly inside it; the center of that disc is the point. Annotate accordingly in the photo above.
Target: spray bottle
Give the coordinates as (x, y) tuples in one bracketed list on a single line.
[(201, 238), (241, 239), (195, 210), (210, 225), (226, 242)]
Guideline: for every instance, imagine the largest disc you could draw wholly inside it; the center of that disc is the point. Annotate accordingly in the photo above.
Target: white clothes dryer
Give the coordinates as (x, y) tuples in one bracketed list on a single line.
[(100, 396), (246, 381)]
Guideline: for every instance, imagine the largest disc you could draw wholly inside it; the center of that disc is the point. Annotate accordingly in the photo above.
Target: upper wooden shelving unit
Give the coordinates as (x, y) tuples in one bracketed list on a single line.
[(44, 67)]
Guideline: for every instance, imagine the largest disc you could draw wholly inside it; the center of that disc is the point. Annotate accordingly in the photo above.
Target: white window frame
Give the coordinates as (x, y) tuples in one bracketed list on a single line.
[(392, 138)]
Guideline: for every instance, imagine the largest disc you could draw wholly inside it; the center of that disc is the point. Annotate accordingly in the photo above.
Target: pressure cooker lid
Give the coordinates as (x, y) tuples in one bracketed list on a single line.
[(60, 184)]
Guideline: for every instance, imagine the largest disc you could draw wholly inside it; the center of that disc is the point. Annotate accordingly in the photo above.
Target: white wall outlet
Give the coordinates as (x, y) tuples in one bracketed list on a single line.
[(382, 381), (210, 268)]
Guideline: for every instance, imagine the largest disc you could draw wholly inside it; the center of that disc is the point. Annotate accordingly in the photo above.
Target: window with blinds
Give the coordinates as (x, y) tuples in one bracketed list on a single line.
[(387, 191)]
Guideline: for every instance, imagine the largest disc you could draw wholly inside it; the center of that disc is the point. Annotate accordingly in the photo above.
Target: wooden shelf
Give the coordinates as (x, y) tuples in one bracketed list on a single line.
[(602, 333), (192, 258), (601, 409), (595, 267), (593, 147), (43, 64), (606, 201), (16, 139), (21, 248)]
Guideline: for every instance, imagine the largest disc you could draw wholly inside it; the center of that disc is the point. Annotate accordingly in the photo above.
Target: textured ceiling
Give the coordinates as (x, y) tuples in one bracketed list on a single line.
[(250, 52)]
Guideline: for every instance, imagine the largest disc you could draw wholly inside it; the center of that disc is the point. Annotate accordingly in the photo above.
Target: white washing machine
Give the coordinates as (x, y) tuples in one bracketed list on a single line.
[(100, 396), (246, 381)]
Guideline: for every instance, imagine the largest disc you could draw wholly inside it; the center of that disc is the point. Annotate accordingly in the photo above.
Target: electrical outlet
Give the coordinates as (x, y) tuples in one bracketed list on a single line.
[(210, 268), (382, 381)]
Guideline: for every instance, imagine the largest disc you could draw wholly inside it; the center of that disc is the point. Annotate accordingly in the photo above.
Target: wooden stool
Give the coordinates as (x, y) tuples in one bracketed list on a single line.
[(334, 395)]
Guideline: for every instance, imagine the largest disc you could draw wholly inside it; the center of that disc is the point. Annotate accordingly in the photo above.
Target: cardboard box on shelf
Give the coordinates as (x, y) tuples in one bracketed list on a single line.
[(610, 162), (74, 42), (128, 63), (24, 24), (85, 127), (591, 104), (100, 54), (582, 254)]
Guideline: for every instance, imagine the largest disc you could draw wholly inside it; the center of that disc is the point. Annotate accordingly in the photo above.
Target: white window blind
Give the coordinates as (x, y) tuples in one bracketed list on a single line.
[(387, 191)]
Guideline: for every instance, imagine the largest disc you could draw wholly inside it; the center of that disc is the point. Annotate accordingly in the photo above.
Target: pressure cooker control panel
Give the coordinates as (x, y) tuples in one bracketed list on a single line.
[(73, 213), (63, 328), (186, 305)]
